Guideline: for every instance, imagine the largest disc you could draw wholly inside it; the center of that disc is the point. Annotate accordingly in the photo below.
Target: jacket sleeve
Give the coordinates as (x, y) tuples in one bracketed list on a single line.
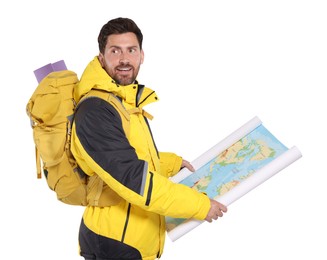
[(170, 164), (100, 146)]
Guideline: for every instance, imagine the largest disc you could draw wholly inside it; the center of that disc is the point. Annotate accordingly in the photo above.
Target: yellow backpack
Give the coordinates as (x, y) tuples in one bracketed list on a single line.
[(51, 111)]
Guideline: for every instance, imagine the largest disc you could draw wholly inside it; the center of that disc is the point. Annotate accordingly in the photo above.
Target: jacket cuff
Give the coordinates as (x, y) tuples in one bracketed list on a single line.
[(205, 207), (177, 165), (170, 163)]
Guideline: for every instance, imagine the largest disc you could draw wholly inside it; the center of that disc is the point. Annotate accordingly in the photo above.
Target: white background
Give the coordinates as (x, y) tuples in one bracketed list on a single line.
[(215, 65)]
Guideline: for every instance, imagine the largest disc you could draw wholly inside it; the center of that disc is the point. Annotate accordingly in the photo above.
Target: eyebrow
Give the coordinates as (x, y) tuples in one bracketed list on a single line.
[(119, 47)]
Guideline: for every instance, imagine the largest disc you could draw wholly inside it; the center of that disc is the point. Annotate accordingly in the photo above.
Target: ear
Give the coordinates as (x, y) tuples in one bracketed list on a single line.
[(101, 59), (142, 56)]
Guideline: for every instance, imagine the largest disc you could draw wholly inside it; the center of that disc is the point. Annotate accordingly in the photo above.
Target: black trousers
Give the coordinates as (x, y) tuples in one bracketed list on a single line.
[(97, 247)]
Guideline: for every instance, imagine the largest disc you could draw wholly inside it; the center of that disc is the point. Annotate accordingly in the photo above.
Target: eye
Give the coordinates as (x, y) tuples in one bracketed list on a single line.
[(132, 50), (115, 51)]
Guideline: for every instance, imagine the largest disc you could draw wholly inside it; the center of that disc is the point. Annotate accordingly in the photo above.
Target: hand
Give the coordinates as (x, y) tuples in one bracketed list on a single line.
[(217, 210), (188, 165)]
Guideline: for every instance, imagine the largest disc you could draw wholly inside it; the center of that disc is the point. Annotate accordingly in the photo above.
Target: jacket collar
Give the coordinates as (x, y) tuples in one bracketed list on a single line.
[(95, 77)]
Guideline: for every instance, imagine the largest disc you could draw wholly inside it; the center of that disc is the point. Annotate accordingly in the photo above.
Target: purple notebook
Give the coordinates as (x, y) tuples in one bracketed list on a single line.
[(42, 72)]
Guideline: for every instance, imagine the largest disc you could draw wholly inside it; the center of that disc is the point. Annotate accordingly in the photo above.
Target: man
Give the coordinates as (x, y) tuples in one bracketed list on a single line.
[(111, 139)]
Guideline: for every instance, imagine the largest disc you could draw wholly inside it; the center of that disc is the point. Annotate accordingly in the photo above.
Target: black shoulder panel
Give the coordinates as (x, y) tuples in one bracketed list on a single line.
[(100, 131)]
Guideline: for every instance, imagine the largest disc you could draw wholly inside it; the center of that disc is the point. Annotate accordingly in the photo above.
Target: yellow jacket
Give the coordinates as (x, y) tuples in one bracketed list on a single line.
[(111, 139)]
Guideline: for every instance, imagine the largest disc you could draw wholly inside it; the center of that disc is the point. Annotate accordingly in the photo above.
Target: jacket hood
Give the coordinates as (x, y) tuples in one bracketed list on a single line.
[(95, 77)]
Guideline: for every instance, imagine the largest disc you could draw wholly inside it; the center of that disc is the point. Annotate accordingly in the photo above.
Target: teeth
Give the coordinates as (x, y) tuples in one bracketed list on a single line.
[(124, 69)]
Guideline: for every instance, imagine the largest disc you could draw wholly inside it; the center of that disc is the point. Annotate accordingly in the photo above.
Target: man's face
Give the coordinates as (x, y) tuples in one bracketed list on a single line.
[(122, 58)]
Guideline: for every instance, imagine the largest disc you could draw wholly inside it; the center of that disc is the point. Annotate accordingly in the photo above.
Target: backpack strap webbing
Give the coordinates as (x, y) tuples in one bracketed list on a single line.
[(138, 110), (38, 163)]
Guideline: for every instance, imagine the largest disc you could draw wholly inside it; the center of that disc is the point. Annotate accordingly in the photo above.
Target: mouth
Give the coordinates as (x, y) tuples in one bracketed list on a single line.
[(124, 69)]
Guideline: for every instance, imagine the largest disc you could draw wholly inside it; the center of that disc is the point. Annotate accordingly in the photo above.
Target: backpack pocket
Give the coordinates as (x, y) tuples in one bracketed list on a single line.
[(61, 174)]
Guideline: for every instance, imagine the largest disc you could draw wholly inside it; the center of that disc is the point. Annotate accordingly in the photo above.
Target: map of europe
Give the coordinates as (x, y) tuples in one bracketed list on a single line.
[(232, 166)]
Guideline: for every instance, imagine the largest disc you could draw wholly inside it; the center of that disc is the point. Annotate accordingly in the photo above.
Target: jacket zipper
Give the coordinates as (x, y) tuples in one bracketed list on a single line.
[(126, 222), (145, 98)]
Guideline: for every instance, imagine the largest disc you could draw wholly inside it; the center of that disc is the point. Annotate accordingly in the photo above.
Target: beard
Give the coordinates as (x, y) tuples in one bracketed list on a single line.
[(125, 74), (124, 80)]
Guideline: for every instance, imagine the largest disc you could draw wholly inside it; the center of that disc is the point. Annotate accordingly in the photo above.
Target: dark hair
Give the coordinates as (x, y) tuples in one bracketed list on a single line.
[(118, 26)]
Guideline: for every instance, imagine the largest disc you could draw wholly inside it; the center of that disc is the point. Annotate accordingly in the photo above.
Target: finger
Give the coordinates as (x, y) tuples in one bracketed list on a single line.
[(188, 165), (219, 214), (222, 207), (208, 220)]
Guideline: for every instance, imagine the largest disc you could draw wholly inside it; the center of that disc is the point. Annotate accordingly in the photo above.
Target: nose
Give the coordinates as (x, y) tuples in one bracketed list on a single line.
[(123, 59)]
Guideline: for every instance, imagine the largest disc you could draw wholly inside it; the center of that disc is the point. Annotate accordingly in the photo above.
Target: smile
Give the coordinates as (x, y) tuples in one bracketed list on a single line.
[(124, 69)]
